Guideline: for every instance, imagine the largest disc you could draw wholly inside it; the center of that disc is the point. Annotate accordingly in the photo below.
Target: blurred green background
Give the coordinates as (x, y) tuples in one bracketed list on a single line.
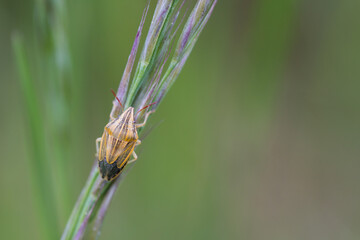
[(260, 135)]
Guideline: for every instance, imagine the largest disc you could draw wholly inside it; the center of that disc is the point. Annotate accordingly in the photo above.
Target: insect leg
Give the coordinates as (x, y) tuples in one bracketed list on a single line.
[(146, 117), (98, 140), (138, 142), (113, 113), (135, 157)]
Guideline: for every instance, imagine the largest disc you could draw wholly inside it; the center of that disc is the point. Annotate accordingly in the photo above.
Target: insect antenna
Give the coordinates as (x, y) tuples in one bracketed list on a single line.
[(144, 108), (113, 92)]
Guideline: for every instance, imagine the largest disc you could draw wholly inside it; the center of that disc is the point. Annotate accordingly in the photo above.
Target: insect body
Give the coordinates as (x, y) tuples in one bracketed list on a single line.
[(117, 144)]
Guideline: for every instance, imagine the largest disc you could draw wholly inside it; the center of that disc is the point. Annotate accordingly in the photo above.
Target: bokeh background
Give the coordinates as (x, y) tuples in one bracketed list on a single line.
[(259, 137)]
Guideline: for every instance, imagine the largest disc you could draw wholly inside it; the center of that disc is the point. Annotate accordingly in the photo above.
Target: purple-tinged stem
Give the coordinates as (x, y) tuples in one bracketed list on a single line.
[(123, 87)]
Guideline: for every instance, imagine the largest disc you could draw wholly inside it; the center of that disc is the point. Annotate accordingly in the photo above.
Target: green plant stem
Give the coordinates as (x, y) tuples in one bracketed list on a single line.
[(89, 202), (39, 165), (55, 72), (81, 206)]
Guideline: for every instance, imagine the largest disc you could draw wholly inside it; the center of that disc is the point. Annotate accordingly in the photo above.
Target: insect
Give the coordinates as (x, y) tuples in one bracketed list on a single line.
[(118, 141)]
